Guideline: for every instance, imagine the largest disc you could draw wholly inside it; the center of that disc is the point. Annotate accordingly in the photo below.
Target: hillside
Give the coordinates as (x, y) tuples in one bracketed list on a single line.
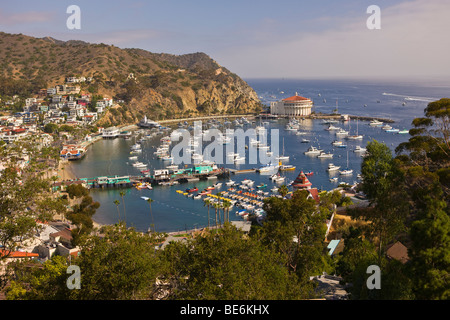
[(164, 85)]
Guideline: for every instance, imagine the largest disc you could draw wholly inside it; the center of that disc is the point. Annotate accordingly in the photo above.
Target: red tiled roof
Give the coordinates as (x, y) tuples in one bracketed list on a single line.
[(17, 254), (296, 98)]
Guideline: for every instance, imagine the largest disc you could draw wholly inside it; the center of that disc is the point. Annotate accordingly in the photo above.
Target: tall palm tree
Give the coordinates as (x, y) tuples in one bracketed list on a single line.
[(116, 202), (216, 207), (149, 200), (208, 204), (226, 209), (123, 202)]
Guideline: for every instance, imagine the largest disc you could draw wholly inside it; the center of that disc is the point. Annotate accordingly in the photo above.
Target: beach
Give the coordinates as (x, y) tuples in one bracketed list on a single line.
[(65, 171)]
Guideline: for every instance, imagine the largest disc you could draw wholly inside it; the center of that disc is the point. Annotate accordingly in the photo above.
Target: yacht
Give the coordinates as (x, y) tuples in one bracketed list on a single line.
[(342, 133), (332, 167), (346, 172), (375, 123), (359, 149), (325, 155), (313, 151)]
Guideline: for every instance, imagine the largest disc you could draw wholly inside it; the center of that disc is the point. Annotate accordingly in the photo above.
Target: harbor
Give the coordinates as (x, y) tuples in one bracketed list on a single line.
[(142, 167)]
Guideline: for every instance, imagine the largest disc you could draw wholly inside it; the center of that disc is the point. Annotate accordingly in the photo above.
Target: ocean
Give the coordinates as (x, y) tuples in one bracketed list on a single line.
[(398, 101)]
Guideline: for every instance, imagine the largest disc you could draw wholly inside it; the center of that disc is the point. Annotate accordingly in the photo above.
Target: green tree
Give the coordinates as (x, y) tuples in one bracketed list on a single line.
[(226, 265), (296, 228), (383, 185)]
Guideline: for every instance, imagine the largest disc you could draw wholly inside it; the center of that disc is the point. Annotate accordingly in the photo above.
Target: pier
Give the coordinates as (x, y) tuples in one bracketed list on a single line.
[(128, 181)]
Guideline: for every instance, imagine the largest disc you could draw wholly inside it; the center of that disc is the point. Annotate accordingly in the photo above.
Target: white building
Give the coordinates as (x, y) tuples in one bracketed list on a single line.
[(292, 106), (110, 133)]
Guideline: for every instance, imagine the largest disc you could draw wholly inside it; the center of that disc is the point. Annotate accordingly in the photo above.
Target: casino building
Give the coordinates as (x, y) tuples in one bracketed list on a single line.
[(292, 106)]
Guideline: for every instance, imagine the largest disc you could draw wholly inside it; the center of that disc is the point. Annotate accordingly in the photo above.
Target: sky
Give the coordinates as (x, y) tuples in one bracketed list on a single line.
[(319, 39)]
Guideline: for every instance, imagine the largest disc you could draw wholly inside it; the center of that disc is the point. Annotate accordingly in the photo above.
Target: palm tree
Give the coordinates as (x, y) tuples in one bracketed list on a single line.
[(283, 190), (208, 204), (149, 200), (226, 208), (123, 202), (216, 207), (116, 202)]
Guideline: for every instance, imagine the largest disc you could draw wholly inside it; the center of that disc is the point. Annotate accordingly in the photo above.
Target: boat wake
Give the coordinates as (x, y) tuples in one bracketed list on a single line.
[(410, 98)]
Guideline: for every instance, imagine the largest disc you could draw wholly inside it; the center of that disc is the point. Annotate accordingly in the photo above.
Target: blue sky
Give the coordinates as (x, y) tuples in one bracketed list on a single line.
[(260, 39)]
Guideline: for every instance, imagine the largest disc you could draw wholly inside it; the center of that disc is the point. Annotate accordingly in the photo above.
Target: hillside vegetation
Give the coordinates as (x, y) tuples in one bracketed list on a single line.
[(160, 86)]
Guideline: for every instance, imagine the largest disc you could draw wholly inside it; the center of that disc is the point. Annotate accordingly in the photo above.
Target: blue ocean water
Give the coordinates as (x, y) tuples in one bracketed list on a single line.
[(401, 102)]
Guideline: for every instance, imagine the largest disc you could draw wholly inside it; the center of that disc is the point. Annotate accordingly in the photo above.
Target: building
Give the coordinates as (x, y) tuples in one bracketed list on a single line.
[(292, 106), (110, 133)]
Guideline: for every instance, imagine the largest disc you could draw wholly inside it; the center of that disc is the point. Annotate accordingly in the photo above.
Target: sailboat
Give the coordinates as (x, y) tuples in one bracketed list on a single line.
[(283, 157), (355, 136), (347, 171)]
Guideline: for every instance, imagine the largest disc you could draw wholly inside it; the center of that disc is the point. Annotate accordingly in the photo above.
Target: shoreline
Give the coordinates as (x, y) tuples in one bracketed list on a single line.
[(65, 170)]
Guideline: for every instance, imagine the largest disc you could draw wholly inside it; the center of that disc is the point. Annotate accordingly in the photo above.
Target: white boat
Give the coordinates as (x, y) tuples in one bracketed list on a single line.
[(347, 171), (386, 127), (342, 133), (133, 158), (325, 155), (375, 123), (268, 168), (283, 157), (332, 128), (229, 182), (198, 196), (332, 167), (334, 179), (313, 151), (393, 130), (359, 149), (247, 182), (138, 164)]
